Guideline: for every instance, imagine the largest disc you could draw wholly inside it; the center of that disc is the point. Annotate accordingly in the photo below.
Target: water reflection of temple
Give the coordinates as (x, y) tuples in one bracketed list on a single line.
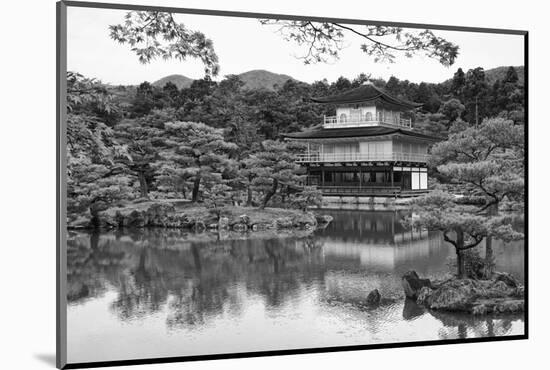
[(378, 240)]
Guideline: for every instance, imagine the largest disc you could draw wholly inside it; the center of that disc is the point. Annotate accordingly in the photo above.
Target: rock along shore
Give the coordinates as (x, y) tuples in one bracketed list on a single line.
[(196, 217), (500, 294)]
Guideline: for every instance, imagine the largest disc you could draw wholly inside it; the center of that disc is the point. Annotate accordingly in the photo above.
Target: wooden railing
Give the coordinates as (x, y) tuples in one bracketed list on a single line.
[(365, 121), (355, 190), (372, 191), (361, 157)]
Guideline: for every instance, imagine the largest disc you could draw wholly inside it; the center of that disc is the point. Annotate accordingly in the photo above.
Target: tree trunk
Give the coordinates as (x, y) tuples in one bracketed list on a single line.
[(270, 193), (94, 211), (489, 256), (195, 193), (249, 196), (477, 119), (460, 263), (143, 187)]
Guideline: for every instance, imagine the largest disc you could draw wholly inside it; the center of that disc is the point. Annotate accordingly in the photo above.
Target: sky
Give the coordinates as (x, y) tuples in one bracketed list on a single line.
[(243, 44)]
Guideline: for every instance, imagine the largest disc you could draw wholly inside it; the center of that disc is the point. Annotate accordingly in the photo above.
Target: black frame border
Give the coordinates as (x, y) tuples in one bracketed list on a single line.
[(61, 252)]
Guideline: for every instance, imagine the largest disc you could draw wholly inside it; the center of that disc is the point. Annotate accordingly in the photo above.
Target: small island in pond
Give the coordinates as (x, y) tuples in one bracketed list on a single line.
[(196, 217)]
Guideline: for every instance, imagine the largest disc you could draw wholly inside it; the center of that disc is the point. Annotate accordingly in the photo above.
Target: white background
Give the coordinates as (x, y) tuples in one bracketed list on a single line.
[(27, 183)]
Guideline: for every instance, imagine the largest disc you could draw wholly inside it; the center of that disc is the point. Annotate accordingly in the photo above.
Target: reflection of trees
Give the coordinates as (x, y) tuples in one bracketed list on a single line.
[(205, 293), (459, 325), (194, 281), (281, 270), (142, 289), (462, 325), (89, 262), (193, 304)]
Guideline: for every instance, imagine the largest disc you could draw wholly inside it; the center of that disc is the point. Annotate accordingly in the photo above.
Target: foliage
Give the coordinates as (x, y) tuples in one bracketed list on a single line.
[(193, 155), (94, 187), (487, 162), (274, 168), (462, 225), (307, 197), (152, 35), (87, 93), (488, 159), (452, 109), (92, 178), (324, 41), (143, 137)]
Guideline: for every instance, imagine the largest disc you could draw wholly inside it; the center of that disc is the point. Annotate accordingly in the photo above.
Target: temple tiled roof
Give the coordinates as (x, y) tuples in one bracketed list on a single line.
[(364, 93), (332, 133)]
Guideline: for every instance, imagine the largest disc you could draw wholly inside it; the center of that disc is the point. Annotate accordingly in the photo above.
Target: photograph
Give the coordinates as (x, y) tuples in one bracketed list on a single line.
[(250, 184)]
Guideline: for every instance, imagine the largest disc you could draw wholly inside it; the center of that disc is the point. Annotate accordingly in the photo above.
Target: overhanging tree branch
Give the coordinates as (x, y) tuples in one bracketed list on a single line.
[(325, 39)]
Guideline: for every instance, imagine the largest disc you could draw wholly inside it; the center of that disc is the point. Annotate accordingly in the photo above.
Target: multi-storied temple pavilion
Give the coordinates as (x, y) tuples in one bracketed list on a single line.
[(368, 148)]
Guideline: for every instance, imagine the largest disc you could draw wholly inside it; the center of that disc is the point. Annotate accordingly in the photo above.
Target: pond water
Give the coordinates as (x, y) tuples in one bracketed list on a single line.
[(158, 293)]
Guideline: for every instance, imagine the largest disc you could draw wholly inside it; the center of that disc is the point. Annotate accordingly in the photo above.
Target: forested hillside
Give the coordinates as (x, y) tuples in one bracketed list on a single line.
[(285, 107), (219, 141), (255, 79)]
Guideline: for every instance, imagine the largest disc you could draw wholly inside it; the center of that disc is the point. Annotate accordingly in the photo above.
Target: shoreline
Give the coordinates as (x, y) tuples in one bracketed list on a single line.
[(197, 217), (502, 293)]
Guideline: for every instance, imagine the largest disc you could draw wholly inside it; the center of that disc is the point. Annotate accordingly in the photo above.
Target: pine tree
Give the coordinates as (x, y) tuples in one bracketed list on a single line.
[(488, 162), (194, 154), (458, 84), (475, 95), (274, 166), (460, 225), (307, 197), (142, 137), (94, 181)]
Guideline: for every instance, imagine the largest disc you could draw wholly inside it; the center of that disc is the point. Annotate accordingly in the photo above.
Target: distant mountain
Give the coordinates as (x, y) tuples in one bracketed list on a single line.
[(255, 79), (498, 73), (179, 80), (262, 79)]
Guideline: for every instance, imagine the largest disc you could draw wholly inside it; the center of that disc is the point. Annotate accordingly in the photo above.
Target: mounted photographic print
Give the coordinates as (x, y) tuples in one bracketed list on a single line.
[(240, 184)]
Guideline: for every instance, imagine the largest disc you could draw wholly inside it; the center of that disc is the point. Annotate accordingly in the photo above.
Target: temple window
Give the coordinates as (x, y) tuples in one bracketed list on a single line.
[(343, 118)]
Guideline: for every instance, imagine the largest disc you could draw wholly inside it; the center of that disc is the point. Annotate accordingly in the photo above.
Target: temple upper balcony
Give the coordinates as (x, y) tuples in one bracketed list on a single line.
[(365, 106), (361, 157), (389, 119)]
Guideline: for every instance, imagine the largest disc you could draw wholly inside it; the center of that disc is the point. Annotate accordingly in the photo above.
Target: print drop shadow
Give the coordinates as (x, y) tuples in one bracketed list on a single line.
[(47, 358)]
